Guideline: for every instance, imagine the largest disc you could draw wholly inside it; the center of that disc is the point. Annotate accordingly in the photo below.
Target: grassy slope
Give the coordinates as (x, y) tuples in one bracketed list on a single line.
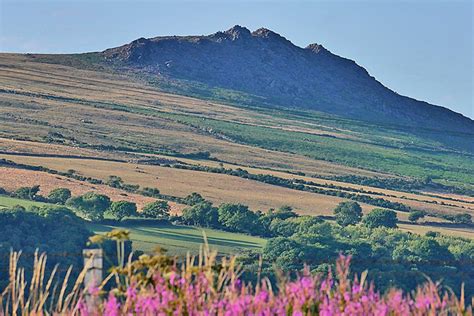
[(7, 202), (130, 115), (178, 240)]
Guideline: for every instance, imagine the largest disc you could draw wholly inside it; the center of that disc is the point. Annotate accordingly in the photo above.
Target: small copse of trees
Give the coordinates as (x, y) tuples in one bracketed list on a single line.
[(122, 209), (59, 196), (156, 210), (91, 204)]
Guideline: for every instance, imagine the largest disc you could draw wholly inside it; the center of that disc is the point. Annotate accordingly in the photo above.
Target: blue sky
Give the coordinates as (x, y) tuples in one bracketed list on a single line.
[(422, 49)]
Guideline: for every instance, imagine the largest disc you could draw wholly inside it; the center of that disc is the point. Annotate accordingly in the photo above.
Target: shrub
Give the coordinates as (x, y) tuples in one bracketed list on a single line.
[(237, 217), (414, 216), (199, 289), (462, 218), (114, 182), (201, 214), (56, 230), (193, 199), (152, 192)]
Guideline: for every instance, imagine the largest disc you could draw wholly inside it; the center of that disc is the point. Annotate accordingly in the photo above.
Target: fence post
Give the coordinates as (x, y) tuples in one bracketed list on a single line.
[(93, 260)]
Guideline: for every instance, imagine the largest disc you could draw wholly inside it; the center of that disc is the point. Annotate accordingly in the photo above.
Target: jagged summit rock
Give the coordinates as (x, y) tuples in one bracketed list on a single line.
[(316, 48), (273, 71), (238, 31)]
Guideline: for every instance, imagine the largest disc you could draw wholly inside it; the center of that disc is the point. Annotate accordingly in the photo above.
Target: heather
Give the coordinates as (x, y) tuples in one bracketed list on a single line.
[(211, 285)]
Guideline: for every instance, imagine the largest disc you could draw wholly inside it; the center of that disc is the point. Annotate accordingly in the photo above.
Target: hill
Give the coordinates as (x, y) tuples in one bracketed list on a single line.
[(97, 112), (269, 70)]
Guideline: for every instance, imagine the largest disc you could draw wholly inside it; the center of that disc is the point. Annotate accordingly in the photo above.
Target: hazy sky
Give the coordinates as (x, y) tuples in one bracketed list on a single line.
[(422, 49)]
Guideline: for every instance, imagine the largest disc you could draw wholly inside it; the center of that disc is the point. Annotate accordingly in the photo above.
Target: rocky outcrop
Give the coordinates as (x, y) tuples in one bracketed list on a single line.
[(266, 65)]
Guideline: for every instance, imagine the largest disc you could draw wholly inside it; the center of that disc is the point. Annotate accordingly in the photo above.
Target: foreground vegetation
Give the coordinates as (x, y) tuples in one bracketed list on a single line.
[(159, 285), (285, 239)]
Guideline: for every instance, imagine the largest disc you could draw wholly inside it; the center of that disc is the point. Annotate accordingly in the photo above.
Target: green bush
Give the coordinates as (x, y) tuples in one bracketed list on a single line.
[(414, 216), (348, 213), (201, 214), (193, 199), (237, 217), (381, 218), (59, 195), (55, 230)]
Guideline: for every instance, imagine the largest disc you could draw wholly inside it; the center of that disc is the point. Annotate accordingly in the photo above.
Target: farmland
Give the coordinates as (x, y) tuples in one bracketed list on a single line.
[(13, 179), (221, 188), (131, 115), (94, 123), (218, 188), (179, 240)]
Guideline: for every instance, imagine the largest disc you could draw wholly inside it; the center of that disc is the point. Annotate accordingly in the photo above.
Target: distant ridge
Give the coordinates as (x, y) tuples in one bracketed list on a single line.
[(266, 65)]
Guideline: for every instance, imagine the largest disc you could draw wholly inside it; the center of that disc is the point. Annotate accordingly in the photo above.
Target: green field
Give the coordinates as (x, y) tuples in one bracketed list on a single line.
[(179, 240), (6, 202)]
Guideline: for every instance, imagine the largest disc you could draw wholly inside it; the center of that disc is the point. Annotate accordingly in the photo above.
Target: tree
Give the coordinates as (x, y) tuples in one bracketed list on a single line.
[(51, 229), (381, 217), (284, 228), (27, 193), (201, 214), (59, 195), (121, 209), (91, 204), (348, 213), (156, 209), (414, 216), (193, 199), (237, 217), (285, 253)]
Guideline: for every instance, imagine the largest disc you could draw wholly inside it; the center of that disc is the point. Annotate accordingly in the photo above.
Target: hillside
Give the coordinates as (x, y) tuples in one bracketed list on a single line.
[(118, 115), (269, 70)]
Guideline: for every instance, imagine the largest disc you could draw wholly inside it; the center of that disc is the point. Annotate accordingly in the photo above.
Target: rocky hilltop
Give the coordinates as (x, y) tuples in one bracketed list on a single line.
[(266, 65)]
